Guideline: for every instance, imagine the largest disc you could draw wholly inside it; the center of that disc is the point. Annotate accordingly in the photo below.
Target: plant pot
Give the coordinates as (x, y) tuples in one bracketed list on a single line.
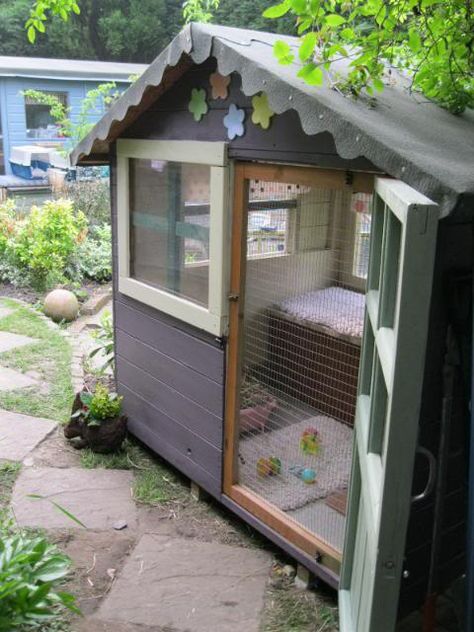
[(108, 437), (255, 418)]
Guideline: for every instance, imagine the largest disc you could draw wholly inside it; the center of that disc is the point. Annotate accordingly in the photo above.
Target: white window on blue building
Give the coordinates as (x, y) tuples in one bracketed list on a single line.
[(40, 123)]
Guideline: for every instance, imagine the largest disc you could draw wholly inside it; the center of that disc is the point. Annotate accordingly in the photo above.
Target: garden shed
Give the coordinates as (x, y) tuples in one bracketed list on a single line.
[(292, 308)]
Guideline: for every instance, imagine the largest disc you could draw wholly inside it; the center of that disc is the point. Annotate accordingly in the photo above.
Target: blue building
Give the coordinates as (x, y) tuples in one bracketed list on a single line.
[(24, 122)]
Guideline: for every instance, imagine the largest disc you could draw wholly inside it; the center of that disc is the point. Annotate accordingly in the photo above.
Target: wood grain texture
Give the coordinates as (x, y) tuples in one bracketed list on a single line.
[(185, 450)]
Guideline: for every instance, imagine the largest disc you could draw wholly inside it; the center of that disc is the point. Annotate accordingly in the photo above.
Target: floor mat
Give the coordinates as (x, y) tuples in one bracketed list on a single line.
[(285, 490)]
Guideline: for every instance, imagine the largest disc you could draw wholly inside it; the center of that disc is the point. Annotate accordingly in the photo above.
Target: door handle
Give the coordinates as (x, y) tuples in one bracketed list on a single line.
[(431, 475)]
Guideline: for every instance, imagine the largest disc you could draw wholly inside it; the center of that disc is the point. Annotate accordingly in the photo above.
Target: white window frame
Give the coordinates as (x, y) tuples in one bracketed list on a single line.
[(212, 318)]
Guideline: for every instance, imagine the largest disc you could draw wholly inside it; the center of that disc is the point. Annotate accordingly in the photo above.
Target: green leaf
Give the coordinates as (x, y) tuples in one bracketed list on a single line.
[(283, 53), (334, 20), (31, 34), (414, 40), (311, 74), (378, 84), (277, 11), (307, 45), (298, 6)]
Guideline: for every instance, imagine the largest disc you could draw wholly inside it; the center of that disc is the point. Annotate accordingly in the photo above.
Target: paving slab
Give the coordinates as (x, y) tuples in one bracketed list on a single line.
[(188, 585), (98, 498), (11, 380), (19, 434), (10, 341)]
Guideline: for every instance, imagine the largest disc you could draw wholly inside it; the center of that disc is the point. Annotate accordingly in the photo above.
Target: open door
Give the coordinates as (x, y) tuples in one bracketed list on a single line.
[(388, 405)]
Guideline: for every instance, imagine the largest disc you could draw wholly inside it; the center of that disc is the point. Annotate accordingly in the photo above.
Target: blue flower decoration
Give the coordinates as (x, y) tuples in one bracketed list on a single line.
[(234, 122)]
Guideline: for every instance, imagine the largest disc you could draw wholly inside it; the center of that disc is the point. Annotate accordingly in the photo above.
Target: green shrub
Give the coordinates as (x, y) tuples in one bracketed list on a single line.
[(95, 254), (30, 571), (8, 218), (104, 336), (92, 197), (45, 243)]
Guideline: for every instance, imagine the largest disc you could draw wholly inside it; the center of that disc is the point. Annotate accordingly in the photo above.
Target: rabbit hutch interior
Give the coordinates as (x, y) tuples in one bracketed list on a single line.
[(274, 255)]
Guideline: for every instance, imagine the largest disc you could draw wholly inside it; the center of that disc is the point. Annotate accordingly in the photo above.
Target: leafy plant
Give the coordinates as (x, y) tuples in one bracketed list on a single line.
[(30, 571), (98, 406), (431, 41), (92, 197), (104, 336), (199, 10), (45, 242), (8, 217), (95, 254)]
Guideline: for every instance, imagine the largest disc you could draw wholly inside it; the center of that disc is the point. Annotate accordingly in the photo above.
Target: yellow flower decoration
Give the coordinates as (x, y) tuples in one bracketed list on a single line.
[(262, 113)]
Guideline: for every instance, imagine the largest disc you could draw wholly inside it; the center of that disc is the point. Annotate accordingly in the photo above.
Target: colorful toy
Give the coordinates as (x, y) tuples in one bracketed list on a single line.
[(310, 443), (275, 464), (268, 467), (306, 474)]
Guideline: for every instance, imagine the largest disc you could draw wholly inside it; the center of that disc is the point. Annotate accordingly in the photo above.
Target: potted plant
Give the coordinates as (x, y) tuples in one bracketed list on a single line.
[(96, 420), (256, 405)]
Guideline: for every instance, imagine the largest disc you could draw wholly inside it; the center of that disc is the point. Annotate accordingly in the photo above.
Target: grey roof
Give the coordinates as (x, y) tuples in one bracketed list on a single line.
[(404, 135), (74, 69)]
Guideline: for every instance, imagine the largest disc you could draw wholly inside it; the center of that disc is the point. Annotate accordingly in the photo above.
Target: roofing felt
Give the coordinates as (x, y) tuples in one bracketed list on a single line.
[(405, 135), (70, 69)]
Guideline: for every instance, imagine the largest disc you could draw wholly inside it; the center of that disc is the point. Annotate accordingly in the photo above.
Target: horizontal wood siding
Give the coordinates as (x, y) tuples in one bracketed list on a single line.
[(171, 441)]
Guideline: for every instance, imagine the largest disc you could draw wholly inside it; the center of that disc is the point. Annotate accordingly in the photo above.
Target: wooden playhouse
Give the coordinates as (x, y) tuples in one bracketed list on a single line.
[(290, 274)]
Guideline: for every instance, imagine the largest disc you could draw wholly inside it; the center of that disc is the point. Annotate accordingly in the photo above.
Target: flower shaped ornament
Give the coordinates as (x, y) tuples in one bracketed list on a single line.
[(234, 122), (262, 113), (197, 105), (220, 85)]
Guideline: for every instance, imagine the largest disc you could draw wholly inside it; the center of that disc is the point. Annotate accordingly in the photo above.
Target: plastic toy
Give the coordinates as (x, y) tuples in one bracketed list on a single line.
[(310, 443), (268, 467), (306, 474), (275, 464)]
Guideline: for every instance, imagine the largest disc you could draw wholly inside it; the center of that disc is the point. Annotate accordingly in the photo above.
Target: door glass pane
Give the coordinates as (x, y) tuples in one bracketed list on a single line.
[(302, 334), (169, 227)]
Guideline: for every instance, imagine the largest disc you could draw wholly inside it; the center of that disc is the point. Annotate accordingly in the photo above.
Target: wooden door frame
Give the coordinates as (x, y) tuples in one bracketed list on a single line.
[(315, 547)]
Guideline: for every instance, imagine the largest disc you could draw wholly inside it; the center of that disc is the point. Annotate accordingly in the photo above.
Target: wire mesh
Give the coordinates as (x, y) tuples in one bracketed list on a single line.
[(306, 266)]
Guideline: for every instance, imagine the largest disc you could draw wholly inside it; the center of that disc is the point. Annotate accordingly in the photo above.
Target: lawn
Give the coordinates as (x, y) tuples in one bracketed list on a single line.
[(50, 360)]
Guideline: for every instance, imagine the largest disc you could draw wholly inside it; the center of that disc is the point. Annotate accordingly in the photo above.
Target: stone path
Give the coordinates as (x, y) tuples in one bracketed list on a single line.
[(137, 569)]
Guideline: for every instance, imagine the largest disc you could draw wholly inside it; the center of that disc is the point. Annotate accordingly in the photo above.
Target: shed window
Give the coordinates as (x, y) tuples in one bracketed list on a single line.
[(172, 212), (169, 226), (361, 205), (39, 121)]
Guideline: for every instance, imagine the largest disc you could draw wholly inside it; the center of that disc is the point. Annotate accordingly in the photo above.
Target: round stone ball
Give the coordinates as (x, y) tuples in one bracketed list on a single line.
[(61, 305)]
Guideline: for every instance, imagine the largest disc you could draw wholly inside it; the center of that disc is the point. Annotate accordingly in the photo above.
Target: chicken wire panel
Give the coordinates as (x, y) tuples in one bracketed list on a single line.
[(302, 330)]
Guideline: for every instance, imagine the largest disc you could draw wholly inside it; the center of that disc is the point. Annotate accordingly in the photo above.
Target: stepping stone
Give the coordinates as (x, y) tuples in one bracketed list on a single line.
[(98, 498), (189, 585), (10, 341), (19, 434), (10, 379)]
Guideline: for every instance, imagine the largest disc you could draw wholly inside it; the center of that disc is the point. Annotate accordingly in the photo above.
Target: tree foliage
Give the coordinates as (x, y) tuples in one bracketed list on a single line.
[(431, 41)]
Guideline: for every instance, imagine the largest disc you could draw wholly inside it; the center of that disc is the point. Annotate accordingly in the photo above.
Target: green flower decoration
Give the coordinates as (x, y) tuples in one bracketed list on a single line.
[(262, 113), (198, 106)]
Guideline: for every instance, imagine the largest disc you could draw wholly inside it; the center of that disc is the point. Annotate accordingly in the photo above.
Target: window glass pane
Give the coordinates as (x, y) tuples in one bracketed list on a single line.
[(169, 227), (39, 122)]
